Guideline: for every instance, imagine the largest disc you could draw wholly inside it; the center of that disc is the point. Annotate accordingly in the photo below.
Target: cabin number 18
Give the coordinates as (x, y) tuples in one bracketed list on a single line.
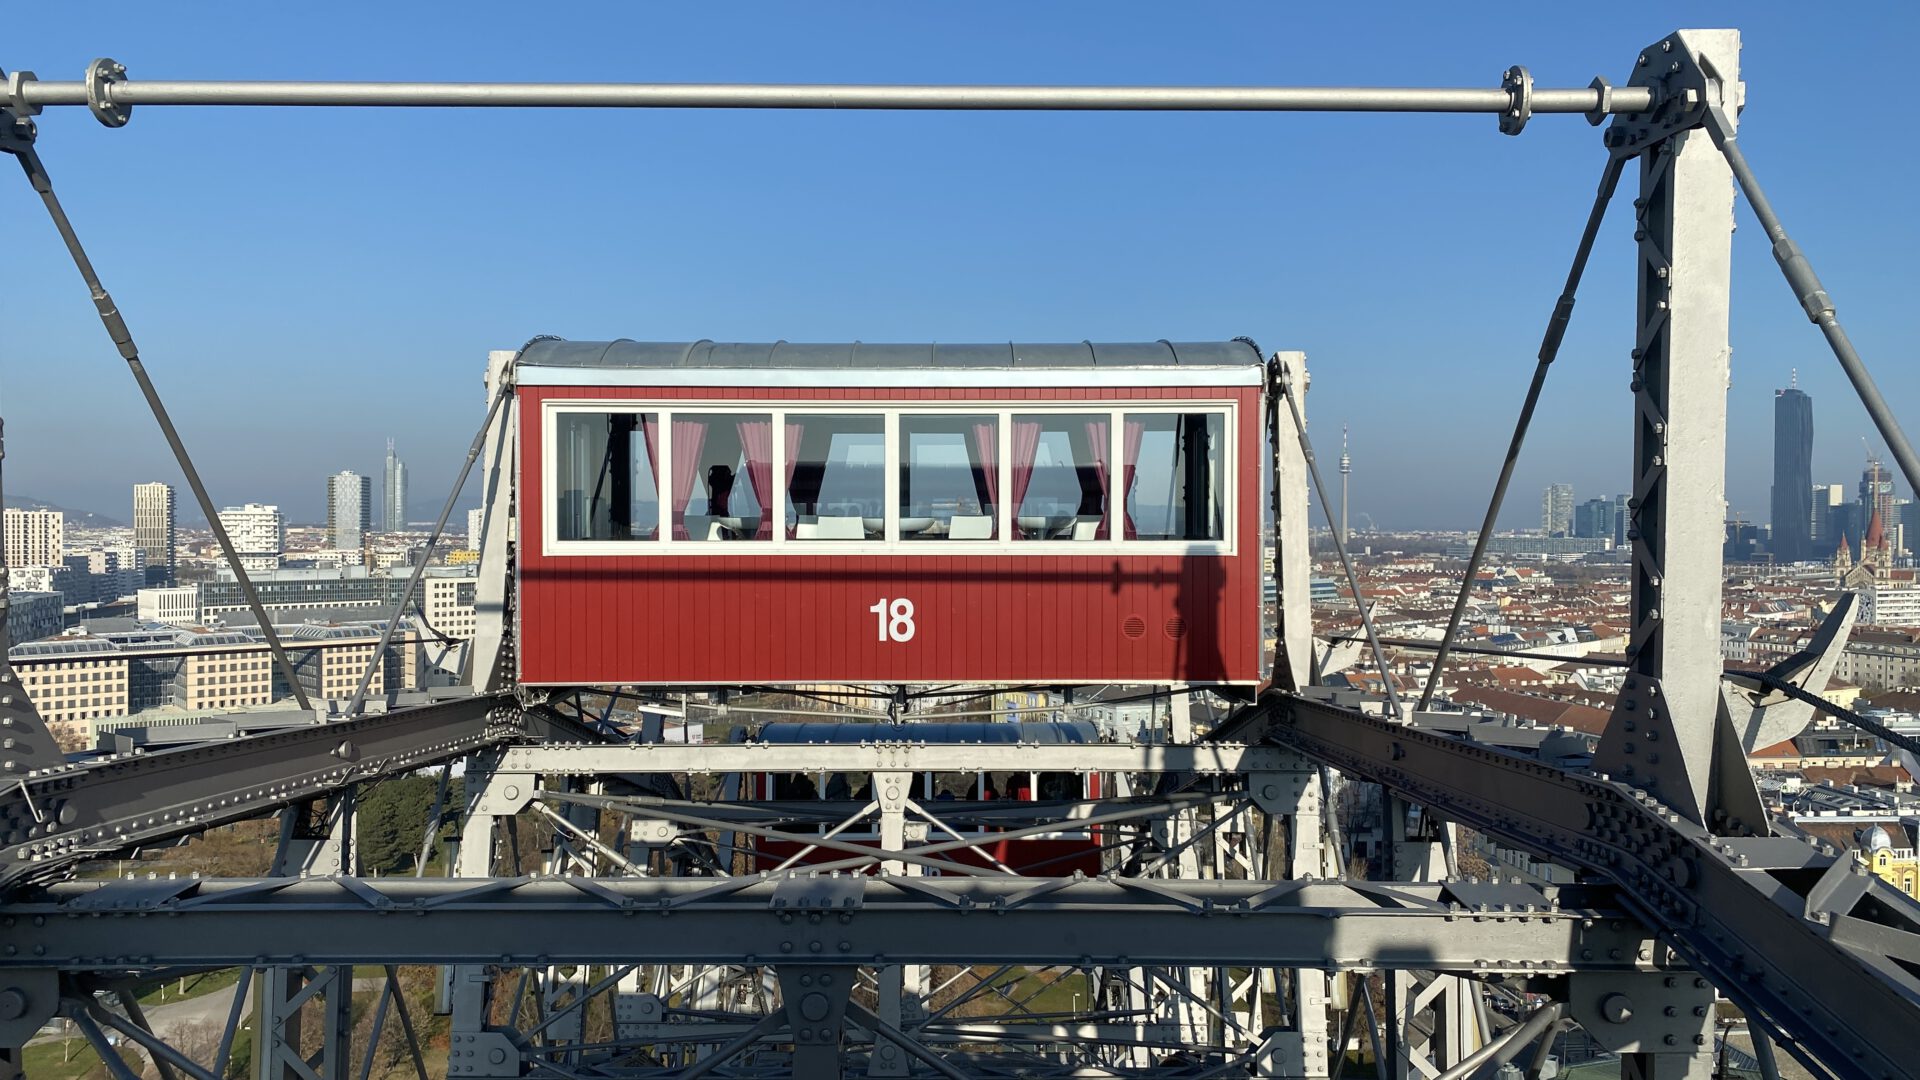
[(893, 619)]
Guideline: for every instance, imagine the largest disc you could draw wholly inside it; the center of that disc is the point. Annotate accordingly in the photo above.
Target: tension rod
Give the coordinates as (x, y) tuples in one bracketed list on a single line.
[(18, 141), (111, 96), (1813, 298), (1549, 350)]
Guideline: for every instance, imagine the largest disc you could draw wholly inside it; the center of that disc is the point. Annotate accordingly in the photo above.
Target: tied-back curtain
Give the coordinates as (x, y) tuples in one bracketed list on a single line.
[(1131, 434), (795, 427), (986, 451), (650, 438), (1097, 439), (688, 437), (1026, 444), (756, 439)]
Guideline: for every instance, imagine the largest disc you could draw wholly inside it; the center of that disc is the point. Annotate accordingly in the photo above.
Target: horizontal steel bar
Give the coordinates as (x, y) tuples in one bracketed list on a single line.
[(1205, 758), (147, 92), (123, 924)]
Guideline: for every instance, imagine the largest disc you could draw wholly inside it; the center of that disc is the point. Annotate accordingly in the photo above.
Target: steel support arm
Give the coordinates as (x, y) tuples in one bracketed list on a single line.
[(1800, 937), (84, 810), (124, 924)]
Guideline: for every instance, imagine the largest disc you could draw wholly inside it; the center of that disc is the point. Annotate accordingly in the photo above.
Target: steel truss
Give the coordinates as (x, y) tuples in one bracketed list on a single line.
[(601, 921)]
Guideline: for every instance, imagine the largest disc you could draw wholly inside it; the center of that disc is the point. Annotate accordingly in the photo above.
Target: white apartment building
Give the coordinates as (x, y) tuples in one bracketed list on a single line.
[(259, 535), (35, 537), (474, 518), (179, 605)]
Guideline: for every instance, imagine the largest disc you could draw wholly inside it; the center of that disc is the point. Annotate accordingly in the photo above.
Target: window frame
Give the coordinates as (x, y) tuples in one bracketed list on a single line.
[(890, 543)]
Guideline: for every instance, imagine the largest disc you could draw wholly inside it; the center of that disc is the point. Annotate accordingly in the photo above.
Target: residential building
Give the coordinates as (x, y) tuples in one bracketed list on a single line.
[(178, 605), (1556, 510), (475, 518), (393, 501), (33, 615), (349, 510), (259, 535), (1887, 605), (1792, 495), (103, 575), (34, 537), (155, 532), (1826, 498)]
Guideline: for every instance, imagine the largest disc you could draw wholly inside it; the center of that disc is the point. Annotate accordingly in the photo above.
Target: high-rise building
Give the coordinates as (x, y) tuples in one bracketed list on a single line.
[(1622, 520), (1823, 530), (393, 506), (1792, 496), (349, 510), (259, 535), (474, 518), (35, 537), (154, 531), (1876, 491), (1594, 518), (1556, 510)]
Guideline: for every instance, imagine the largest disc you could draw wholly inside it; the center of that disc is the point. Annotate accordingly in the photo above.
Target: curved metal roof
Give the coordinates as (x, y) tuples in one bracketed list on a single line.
[(624, 354)]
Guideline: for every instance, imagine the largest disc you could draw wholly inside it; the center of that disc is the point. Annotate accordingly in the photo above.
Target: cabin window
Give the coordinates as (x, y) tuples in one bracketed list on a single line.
[(606, 482), (836, 476), (949, 477), (722, 476), (1174, 478), (1059, 475)]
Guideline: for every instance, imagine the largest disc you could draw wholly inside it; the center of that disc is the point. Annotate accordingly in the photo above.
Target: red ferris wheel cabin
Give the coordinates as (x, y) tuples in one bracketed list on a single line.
[(726, 515)]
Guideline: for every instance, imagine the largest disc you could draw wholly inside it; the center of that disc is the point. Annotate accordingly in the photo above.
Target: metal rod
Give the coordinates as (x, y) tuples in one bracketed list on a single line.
[(1814, 299), (123, 340), (1549, 350), (904, 1041), (116, 1065), (130, 1001), (1503, 1049), (420, 570), (146, 92), (225, 1052), (1284, 388)]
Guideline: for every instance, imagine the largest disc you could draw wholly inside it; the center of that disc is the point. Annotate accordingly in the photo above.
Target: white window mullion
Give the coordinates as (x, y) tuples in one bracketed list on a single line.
[(893, 459), (666, 476), (778, 481)]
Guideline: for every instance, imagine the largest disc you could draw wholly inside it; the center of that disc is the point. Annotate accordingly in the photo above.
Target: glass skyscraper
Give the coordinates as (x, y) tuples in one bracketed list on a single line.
[(1792, 517)]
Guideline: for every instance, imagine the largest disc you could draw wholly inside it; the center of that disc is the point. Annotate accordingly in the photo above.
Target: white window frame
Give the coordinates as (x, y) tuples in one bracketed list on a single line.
[(664, 543)]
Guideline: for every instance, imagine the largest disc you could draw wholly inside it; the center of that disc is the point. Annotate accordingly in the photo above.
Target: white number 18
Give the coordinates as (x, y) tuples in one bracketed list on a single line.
[(893, 621)]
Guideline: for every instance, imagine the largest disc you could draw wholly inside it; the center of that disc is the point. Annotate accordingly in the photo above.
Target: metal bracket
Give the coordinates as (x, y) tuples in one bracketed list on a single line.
[(101, 75), (17, 101), (1604, 107), (1518, 83), (1684, 84), (1763, 715), (28, 999)]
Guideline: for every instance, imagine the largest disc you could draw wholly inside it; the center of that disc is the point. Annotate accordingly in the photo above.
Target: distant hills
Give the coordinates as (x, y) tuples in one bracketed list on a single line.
[(85, 518)]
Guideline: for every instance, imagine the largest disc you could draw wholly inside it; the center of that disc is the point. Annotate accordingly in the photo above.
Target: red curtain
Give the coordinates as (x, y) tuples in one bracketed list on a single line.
[(986, 453), (1097, 438), (1026, 444), (756, 439), (1131, 433), (794, 428), (688, 437)]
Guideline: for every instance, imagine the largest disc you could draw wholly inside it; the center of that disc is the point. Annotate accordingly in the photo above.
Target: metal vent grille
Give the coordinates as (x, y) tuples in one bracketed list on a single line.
[(1134, 627), (1176, 628)]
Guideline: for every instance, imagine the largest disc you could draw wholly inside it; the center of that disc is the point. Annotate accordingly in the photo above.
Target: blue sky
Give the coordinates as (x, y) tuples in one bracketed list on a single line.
[(307, 283)]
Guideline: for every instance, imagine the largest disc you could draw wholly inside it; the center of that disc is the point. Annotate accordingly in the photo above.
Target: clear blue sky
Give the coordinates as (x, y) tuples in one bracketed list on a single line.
[(307, 283)]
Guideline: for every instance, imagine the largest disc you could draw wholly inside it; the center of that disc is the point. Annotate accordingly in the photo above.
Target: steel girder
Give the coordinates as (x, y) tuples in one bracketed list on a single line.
[(1205, 759), (60, 815), (1803, 937), (807, 919)]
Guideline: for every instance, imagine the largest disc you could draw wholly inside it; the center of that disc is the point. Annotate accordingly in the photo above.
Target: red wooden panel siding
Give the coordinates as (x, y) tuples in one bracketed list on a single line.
[(749, 615)]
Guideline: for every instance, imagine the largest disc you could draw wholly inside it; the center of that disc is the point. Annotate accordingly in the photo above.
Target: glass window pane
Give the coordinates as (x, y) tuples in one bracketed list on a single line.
[(1059, 476), (722, 476), (605, 484), (836, 477), (949, 477), (1175, 475)]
